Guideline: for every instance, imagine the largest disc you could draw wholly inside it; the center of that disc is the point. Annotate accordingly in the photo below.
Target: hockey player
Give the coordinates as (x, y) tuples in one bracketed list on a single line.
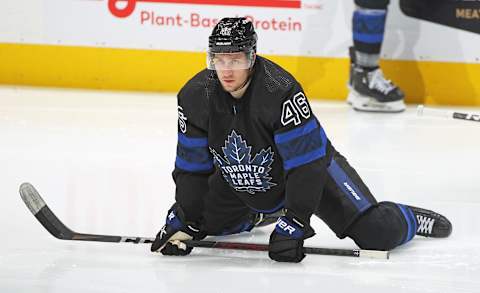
[(369, 90), (250, 151)]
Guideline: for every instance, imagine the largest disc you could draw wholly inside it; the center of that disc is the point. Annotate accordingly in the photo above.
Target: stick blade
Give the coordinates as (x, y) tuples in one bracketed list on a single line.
[(31, 198), (378, 254), (42, 212)]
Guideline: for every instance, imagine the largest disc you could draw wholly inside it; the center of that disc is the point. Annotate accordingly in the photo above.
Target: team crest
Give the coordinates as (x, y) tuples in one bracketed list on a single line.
[(239, 169)]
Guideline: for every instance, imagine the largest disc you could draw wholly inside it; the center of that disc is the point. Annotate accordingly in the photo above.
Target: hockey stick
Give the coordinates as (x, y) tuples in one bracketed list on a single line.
[(425, 111), (49, 221)]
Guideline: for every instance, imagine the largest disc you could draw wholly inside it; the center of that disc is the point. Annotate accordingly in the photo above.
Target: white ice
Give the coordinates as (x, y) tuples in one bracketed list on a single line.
[(103, 160)]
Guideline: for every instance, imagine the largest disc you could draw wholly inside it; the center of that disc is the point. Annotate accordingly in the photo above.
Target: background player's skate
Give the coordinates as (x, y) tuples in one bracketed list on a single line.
[(370, 91)]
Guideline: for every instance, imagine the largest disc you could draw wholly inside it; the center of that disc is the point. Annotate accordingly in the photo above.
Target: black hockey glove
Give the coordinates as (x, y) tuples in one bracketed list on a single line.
[(169, 240), (286, 241)]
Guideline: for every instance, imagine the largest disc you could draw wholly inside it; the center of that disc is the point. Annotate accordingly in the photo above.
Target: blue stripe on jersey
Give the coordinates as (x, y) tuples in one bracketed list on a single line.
[(193, 154), (411, 222), (192, 142), (350, 189), (192, 167), (369, 25), (304, 159), (295, 133), (301, 145)]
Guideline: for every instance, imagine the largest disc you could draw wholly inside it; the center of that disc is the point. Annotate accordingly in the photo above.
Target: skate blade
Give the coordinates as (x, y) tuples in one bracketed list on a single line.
[(369, 104)]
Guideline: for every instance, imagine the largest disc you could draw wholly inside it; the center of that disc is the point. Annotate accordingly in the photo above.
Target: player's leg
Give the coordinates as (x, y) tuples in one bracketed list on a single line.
[(369, 90), (349, 209), (389, 225), (345, 197), (382, 227)]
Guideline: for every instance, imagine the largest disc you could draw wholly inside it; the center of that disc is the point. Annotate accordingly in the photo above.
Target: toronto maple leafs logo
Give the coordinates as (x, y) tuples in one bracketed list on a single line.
[(239, 169)]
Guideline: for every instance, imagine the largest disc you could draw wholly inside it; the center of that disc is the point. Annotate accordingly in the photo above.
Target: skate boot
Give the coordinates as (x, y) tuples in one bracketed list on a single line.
[(431, 224), (371, 92), (262, 219)]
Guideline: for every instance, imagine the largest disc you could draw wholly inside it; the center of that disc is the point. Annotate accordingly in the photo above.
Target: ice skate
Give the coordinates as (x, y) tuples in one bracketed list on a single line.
[(371, 92), (431, 224)]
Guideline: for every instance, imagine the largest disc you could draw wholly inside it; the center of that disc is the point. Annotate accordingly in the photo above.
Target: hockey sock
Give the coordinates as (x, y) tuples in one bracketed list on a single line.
[(368, 26)]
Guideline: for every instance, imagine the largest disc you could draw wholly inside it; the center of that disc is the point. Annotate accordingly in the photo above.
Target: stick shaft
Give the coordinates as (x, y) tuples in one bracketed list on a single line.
[(461, 115), (52, 224), (264, 247)]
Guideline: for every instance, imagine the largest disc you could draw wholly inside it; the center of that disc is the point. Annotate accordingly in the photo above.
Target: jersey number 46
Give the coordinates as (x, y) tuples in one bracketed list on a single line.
[(294, 109)]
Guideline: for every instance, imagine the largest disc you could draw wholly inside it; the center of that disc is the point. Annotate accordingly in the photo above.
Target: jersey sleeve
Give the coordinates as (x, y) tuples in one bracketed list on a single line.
[(303, 147), (193, 162)]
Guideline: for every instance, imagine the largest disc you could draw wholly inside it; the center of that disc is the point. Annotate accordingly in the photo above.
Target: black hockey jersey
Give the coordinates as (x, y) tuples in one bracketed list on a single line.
[(267, 147)]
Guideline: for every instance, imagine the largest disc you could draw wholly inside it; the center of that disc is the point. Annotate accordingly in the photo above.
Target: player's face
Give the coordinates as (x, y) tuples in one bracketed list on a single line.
[(232, 70)]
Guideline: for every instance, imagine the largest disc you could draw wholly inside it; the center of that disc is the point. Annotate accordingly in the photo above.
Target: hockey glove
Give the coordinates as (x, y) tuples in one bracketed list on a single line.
[(169, 239), (286, 241)]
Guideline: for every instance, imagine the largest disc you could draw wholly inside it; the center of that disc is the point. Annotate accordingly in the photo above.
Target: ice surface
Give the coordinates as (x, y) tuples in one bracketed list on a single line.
[(102, 161)]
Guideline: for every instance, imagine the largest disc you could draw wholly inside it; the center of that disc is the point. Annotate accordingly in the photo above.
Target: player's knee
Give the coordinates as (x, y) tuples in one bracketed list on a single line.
[(380, 228), (373, 4)]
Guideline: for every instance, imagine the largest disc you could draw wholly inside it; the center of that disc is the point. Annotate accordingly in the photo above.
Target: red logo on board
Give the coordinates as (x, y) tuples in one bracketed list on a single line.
[(128, 6)]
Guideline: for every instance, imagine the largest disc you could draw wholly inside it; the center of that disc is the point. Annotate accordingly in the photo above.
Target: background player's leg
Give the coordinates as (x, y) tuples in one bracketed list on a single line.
[(369, 90)]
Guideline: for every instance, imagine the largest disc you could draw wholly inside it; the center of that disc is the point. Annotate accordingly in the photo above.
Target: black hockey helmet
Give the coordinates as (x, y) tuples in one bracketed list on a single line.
[(233, 34)]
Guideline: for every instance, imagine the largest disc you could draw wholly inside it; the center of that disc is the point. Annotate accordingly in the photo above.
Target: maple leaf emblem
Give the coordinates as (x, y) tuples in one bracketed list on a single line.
[(239, 169)]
